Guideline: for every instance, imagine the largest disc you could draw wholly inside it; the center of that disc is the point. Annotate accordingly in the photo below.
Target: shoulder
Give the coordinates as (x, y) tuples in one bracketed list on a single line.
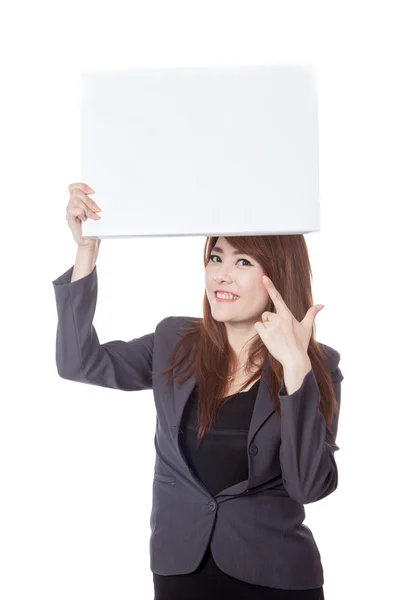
[(332, 360), (176, 324), (331, 356)]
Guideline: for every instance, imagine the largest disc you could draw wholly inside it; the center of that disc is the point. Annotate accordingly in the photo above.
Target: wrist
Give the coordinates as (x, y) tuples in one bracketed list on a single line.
[(294, 373), (92, 246), (299, 363), (91, 250)]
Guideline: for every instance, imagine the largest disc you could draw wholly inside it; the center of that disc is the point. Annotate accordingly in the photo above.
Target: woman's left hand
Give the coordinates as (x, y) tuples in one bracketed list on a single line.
[(286, 338)]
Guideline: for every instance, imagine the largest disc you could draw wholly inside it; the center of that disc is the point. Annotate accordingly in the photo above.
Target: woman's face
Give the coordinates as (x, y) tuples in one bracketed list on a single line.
[(239, 274)]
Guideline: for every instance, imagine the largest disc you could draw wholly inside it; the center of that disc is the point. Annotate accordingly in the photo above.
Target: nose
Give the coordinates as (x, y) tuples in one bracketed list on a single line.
[(220, 278)]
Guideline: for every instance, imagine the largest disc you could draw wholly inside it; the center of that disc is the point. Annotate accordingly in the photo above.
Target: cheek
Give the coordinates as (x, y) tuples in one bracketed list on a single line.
[(263, 294)]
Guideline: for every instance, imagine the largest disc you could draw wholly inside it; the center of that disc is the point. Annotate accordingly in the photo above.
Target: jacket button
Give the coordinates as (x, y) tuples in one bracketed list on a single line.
[(212, 506), (253, 450)]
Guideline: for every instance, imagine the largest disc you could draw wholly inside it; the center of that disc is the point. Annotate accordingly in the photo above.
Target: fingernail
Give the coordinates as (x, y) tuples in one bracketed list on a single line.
[(96, 207)]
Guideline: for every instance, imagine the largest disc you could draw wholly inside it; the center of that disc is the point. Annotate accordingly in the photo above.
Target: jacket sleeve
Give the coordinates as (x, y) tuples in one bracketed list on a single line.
[(308, 465), (80, 356)]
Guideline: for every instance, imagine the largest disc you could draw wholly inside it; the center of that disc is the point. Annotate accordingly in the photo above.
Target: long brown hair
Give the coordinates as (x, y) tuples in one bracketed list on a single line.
[(285, 259)]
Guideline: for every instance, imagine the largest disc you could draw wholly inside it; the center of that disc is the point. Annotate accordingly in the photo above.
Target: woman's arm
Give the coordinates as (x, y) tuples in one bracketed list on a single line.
[(85, 261), (79, 355), (308, 465)]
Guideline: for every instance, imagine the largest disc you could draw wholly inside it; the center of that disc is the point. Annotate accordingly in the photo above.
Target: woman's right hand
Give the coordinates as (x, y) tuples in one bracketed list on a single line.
[(79, 207)]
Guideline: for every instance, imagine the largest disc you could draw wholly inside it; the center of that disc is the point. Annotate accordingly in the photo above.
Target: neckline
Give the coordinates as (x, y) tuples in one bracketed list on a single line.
[(243, 391)]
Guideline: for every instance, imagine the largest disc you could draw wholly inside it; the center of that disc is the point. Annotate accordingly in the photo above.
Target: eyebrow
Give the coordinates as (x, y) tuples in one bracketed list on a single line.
[(217, 249)]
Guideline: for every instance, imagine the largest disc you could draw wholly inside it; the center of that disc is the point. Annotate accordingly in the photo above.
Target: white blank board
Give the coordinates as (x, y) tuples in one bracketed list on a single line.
[(201, 151)]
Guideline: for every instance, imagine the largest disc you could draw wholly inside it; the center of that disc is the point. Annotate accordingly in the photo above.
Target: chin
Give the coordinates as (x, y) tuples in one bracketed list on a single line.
[(221, 319)]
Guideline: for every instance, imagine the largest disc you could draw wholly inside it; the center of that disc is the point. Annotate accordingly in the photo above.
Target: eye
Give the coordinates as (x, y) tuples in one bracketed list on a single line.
[(216, 256)]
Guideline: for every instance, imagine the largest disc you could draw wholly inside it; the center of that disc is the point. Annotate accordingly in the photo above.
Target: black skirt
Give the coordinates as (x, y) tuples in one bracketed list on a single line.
[(209, 582)]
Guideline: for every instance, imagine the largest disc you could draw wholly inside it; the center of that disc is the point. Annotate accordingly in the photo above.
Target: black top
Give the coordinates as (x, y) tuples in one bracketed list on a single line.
[(221, 459), (219, 462)]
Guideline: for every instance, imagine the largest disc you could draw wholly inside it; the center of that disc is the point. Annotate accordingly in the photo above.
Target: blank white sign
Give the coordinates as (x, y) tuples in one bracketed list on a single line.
[(201, 151)]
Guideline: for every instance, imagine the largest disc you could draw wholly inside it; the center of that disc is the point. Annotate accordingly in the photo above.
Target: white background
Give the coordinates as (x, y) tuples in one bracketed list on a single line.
[(76, 461)]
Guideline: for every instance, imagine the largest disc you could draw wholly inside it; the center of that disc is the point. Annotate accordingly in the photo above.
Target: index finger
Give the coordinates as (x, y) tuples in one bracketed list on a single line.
[(275, 296), (80, 186), (77, 193)]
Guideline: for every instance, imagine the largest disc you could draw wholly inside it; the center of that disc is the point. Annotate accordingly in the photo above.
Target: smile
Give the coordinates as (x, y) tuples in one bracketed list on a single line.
[(225, 298)]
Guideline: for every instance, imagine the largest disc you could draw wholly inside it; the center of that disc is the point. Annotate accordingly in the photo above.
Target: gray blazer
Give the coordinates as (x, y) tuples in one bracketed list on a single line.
[(255, 526)]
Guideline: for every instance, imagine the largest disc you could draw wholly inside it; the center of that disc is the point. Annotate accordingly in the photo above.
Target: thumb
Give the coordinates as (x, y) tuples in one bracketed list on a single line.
[(311, 314)]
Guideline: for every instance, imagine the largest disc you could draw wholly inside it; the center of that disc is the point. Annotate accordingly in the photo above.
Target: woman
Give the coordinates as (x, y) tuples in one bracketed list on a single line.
[(247, 416)]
